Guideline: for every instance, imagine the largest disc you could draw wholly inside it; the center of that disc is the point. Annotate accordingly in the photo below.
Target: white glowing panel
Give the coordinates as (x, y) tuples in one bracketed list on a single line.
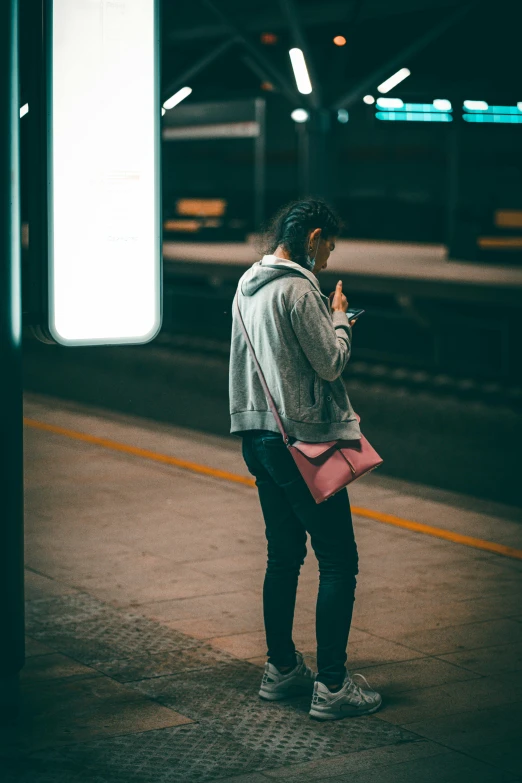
[(104, 254)]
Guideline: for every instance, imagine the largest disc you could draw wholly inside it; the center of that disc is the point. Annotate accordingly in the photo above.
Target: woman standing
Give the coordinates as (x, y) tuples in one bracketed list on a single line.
[(302, 344)]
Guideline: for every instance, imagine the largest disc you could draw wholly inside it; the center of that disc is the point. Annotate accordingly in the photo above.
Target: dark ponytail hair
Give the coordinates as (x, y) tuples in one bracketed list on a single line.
[(293, 223)]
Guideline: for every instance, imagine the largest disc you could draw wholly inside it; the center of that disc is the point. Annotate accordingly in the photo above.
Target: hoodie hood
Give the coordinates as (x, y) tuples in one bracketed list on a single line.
[(270, 267)]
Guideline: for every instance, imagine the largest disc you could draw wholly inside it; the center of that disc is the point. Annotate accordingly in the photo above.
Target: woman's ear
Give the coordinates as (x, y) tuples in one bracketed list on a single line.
[(315, 238)]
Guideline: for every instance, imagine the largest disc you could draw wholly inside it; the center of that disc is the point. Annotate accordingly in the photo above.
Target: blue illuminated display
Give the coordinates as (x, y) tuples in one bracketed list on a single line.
[(496, 114), (503, 110), (439, 111), (414, 116), (424, 107), (485, 117)]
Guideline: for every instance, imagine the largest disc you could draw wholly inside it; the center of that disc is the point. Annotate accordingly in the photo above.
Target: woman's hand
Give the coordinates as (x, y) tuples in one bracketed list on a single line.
[(338, 301)]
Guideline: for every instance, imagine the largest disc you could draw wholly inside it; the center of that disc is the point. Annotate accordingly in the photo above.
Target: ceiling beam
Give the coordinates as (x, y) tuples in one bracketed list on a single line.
[(401, 59), (259, 72), (193, 70), (311, 15), (237, 33)]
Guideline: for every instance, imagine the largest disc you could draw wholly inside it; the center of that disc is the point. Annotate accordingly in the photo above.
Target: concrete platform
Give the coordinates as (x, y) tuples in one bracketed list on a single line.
[(145, 634), (402, 260)]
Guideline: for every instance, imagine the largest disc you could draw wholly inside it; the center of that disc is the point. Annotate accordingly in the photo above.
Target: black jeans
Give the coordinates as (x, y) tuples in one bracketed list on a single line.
[(290, 512)]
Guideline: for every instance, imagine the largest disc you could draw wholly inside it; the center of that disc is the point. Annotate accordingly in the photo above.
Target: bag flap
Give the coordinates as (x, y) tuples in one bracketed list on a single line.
[(313, 450), (350, 446)]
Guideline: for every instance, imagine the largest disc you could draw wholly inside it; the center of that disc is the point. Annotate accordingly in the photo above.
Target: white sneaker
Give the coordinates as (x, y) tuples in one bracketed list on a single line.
[(350, 700), (276, 686)]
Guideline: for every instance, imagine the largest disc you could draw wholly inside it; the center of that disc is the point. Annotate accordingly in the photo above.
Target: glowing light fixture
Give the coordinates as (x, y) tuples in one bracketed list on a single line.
[(503, 110), (441, 104), (302, 79), (369, 99), (343, 116), (23, 110), (339, 40), (300, 115), (500, 118), (480, 111), (163, 111), (389, 103), (269, 39), (476, 105), (104, 229), (414, 116), (394, 80), (178, 96), (201, 207), (425, 107)]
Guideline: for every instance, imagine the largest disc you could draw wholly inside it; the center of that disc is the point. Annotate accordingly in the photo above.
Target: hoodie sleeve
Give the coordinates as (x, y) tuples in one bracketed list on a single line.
[(325, 338)]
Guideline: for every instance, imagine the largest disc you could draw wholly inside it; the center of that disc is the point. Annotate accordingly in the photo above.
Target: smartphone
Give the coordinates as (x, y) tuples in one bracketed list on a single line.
[(353, 315)]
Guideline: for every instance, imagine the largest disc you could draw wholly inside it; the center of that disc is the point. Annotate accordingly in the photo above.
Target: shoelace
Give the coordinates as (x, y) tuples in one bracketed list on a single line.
[(356, 689), (308, 672)]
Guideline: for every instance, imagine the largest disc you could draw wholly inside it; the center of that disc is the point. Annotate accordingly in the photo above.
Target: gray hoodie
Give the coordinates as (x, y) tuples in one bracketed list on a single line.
[(302, 348)]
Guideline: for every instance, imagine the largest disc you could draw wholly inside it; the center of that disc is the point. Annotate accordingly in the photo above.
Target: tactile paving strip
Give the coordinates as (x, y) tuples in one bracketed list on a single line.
[(88, 630), (187, 754), (235, 731), (67, 608), (226, 697), (145, 666)]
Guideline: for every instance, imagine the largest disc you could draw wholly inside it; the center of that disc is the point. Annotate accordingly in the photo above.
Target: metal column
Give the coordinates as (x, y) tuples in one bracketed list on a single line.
[(314, 147), (452, 197), (260, 166), (11, 435)]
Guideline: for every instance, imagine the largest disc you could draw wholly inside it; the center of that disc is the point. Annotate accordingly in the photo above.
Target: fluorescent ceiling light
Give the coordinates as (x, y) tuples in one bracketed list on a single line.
[(369, 99), (300, 115), (178, 96), (441, 104), (342, 116), (302, 78), (519, 105), (23, 110), (476, 105), (390, 103), (390, 83)]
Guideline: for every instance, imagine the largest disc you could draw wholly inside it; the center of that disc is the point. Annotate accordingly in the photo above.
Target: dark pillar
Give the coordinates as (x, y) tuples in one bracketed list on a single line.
[(314, 157), (452, 198), (260, 166), (11, 434)]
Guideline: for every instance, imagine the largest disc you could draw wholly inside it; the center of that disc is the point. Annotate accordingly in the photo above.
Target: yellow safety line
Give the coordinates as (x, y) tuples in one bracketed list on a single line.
[(137, 452), (378, 516), (438, 532)]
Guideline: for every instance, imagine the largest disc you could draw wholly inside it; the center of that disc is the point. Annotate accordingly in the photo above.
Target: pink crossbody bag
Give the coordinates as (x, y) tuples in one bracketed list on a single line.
[(325, 467)]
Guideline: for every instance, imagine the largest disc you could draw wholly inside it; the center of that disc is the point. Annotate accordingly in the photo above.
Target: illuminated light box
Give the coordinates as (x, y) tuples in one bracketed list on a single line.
[(425, 107), (508, 218), (104, 247), (190, 226), (209, 207), (501, 118), (504, 110), (414, 116)]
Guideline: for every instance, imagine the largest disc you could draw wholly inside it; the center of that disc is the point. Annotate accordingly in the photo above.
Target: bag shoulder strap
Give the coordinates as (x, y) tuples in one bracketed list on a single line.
[(260, 373)]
